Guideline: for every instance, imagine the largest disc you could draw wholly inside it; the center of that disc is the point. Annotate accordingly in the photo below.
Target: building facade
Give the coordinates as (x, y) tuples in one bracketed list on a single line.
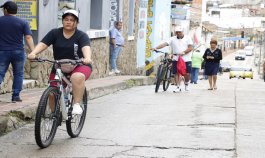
[(96, 18)]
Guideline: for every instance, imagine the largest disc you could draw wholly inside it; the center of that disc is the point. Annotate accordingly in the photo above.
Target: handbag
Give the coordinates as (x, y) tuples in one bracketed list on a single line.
[(181, 66)]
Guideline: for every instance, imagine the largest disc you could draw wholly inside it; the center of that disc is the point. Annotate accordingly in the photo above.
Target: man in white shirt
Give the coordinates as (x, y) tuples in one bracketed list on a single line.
[(181, 46)]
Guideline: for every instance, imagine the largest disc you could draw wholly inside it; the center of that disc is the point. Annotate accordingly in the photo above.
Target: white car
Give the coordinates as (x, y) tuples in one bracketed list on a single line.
[(240, 55), (249, 50)]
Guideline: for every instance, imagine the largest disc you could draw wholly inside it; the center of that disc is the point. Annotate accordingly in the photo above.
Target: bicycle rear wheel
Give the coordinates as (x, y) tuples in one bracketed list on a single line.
[(46, 118), (158, 77), (75, 123), (167, 79)]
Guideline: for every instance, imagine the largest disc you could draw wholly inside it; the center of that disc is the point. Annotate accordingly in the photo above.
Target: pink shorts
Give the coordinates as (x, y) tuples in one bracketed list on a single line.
[(86, 70)]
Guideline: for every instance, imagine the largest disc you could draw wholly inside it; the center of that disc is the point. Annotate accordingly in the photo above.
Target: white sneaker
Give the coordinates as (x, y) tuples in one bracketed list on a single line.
[(177, 90), (187, 88), (77, 109), (117, 71), (112, 72)]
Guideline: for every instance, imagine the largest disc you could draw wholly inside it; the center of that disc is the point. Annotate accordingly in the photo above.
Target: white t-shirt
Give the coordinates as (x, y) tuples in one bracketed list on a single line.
[(180, 45)]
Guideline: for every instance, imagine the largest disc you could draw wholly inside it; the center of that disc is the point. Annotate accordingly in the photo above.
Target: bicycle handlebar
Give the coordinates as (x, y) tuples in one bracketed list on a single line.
[(158, 51), (62, 61)]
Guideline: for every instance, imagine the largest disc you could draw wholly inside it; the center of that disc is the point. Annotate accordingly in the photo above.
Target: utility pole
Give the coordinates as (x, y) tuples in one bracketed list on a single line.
[(260, 47)]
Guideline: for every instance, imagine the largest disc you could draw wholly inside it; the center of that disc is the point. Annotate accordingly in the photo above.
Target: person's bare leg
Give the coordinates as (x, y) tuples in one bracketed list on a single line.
[(78, 83), (187, 78), (214, 81), (210, 79), (176, 79)]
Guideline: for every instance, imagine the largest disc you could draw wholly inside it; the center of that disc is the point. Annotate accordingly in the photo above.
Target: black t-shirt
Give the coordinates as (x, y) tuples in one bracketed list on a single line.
[(64, 48)]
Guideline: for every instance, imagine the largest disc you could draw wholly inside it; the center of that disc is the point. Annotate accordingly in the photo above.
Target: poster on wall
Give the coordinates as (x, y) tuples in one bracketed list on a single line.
[(142, 25), (64, 5), (27, 9)]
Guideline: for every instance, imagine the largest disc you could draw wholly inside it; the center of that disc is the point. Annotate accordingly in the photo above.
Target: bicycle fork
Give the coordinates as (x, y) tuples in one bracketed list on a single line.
[(164, 71)]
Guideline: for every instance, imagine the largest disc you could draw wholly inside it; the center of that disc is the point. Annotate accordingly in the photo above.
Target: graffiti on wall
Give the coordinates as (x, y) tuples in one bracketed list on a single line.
[(149, 64), (149, 29), (114, 12)]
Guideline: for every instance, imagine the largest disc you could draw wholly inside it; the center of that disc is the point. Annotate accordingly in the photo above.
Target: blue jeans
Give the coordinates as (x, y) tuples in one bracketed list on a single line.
[(114, 53), (194, 75), (17, 60)]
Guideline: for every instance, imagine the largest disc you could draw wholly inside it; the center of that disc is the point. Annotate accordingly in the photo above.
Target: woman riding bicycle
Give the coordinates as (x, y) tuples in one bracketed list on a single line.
[(69, 43)]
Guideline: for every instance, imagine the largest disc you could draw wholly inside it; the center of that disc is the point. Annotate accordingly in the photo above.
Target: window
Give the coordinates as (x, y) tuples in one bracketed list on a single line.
[(96, 14), (99, 18), (103, 13)]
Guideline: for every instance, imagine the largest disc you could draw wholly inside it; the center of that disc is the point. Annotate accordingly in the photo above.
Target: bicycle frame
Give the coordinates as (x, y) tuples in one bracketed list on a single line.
[(165, 63), (54, 97), (163, 72), (59, 78)]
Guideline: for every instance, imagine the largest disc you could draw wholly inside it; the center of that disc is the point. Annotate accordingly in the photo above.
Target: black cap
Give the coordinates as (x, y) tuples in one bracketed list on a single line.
[(10, 6)]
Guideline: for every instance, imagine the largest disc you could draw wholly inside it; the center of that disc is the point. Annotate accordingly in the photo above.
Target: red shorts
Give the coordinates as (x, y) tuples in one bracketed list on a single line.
[(86, 70)]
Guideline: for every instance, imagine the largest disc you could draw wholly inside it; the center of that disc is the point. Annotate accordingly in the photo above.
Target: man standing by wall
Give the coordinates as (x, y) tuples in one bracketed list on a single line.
[(116, 43), (12, 50)]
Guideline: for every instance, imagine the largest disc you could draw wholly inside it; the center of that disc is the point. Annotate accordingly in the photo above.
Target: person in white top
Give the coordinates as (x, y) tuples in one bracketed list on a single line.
[(180, 45)]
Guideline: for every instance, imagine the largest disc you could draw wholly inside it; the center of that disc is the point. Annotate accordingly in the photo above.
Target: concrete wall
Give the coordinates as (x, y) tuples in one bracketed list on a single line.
[(84, 13), (127, 61), (47, 18)]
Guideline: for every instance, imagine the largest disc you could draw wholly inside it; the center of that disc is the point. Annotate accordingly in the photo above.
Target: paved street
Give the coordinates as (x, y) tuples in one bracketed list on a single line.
[(137, 122)]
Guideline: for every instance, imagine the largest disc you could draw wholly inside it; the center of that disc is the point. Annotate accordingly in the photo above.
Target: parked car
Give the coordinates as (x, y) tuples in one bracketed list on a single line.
[(240, 55), (225, 66), (249, 50), (240, 72)]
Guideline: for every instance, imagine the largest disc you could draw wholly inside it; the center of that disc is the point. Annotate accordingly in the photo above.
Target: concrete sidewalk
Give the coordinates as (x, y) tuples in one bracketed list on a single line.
[(14, 115)]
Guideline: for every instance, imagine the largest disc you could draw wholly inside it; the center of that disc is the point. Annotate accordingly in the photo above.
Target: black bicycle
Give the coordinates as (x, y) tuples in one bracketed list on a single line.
[(56, 105), (164, 72)]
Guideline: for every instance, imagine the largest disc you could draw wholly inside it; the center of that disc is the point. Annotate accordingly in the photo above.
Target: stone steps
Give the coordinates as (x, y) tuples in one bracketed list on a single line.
[(29, 84)]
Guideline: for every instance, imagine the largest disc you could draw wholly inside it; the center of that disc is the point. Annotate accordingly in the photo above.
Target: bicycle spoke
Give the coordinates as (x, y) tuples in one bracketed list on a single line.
[(46, 121), (75, 123)]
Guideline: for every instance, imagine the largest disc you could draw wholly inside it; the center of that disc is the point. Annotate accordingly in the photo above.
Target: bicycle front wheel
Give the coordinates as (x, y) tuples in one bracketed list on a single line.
[(46, 118), (75, 123), (167, 79), (158, 77)]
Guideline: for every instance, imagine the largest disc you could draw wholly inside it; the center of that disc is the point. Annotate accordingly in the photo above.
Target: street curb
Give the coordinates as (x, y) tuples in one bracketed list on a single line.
[(15, 119), (105, 90)]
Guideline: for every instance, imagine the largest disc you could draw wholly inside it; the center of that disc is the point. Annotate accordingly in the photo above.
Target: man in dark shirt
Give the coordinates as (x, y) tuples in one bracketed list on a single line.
[(12, 50)]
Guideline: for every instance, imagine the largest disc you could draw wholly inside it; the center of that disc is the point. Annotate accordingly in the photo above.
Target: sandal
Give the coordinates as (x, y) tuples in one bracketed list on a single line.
[(210, 88), (215, 88)]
